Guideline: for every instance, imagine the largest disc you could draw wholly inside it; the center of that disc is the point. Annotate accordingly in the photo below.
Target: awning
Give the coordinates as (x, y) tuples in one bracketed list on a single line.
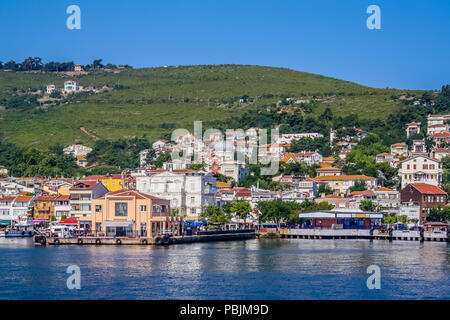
[(68, 221), (5, 221), (117, 224)]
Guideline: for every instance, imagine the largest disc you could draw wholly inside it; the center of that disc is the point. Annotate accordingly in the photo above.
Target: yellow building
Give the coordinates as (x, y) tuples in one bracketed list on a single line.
[(113, 182), (341, 184), (64, 189)]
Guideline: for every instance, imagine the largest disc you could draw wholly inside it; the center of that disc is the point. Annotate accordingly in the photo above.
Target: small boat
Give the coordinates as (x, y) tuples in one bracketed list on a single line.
[(20, 230)]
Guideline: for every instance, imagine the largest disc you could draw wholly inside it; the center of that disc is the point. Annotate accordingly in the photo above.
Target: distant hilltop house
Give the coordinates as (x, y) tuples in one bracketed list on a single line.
[(399, 149), (50, 89), (78, 67), (3, 171), (71, 86), (412, 129), (77, 150)]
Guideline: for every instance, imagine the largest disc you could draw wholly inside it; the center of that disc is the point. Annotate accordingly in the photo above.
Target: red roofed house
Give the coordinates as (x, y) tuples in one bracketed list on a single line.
[(436, 128), (440, 138), (425, 195)]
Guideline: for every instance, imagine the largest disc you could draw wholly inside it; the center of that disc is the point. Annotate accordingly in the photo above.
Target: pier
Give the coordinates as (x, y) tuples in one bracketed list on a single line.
[(407, 235), (206, 236)]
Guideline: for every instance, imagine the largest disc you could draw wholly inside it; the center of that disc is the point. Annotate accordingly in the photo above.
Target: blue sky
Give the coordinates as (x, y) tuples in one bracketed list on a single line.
[(329, 37)]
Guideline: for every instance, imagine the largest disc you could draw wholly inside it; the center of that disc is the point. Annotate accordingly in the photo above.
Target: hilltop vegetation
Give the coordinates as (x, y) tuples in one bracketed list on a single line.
[(154, 101)]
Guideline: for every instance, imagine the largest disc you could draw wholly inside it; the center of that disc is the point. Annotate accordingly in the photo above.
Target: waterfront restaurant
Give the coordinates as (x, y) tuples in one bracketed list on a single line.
[(342, 219)]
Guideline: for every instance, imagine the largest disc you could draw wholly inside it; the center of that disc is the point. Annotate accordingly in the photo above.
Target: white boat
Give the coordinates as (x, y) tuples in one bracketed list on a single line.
[(20, 230)]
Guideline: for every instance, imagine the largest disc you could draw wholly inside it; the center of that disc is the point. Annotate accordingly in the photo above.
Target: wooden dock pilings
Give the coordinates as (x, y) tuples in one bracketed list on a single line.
[(159, 240)]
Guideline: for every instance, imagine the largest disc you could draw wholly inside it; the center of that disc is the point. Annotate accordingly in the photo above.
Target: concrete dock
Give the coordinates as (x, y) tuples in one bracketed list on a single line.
[(364, 234), (160, 240)]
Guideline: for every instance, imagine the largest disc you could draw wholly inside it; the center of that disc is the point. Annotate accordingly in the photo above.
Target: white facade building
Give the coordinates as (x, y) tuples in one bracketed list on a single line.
[(189, 191), (420, 169)]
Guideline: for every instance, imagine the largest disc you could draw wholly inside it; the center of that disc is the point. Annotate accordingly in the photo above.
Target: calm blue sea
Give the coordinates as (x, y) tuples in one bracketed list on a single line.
[(252, 269)]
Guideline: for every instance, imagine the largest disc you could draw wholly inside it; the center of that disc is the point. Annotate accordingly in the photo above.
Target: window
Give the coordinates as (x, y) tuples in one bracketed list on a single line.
[(85, 207), (143, 208), (192, 210), (98, 208), (121, 209)]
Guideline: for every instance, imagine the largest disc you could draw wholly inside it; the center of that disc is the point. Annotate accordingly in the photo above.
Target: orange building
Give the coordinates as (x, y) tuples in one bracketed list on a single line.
[(44, 207), (129, 213)]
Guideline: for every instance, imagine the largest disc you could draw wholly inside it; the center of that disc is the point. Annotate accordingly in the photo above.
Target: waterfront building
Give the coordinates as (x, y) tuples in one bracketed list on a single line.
[(420, 169), (81, 195), (130, 213), (44, 207), (426, 196), (342, 219), (62, 206), (189, 191)]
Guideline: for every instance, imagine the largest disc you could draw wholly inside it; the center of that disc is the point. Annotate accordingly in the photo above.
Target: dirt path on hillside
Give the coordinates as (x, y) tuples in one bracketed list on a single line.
[(93, 136)]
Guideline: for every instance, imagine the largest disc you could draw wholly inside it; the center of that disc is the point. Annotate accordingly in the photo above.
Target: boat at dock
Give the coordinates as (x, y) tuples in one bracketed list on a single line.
[(20, 230)]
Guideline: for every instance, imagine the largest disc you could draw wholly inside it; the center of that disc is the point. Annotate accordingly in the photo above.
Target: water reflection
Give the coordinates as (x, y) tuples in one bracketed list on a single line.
[(252, 269)]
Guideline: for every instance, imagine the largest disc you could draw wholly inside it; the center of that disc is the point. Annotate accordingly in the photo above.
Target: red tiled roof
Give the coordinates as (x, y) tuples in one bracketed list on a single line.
[(23, 198), (63, 197), (441, 135), (84, 185), (365, 192), (130, 193), (7, 199), (428, 188)]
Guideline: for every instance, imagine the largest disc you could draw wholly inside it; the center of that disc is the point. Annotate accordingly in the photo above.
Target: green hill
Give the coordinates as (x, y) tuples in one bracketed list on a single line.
[(153, 101)]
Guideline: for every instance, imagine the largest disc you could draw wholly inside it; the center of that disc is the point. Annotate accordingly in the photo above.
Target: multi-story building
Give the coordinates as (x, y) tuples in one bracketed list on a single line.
[(62, 206), (129, 213), (441, 138), (420, 169), (412, 129), (234, 169), (81, 195), (44, 207), (439, 153), (418, 147), (189, 191), (15, 208), (70, 86), (426, 196), (329, 171), (399, 149), (437, 128), (341, 184)]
